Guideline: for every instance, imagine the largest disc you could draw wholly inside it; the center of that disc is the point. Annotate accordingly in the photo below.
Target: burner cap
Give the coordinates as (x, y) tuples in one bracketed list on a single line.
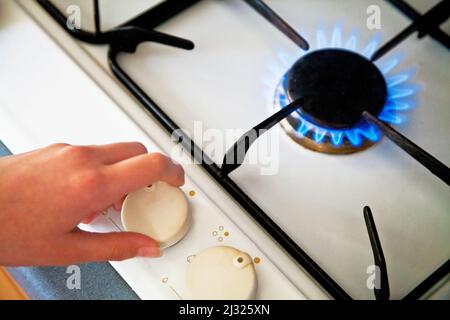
[(337, 85)]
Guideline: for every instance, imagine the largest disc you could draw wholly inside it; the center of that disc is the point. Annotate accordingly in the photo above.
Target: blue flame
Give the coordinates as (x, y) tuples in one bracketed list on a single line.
[(398, 100)]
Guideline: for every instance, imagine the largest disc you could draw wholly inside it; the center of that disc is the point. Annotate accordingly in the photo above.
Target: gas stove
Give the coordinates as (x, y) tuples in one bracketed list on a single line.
[(323, 173)]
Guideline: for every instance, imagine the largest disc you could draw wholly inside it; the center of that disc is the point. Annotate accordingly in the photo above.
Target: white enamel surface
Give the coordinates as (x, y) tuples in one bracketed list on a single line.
[(63, 104), (113, 12), (317, 199)]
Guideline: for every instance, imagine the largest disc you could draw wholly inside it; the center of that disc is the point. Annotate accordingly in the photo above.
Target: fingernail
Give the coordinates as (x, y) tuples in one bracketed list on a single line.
[(149, 252)]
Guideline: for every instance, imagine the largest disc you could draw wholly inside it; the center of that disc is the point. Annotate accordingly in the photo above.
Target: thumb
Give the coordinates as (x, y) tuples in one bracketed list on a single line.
[(114, 246)]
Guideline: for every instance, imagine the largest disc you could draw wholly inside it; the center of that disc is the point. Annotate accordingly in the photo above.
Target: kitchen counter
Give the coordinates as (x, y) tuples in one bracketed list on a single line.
[(98, 280)]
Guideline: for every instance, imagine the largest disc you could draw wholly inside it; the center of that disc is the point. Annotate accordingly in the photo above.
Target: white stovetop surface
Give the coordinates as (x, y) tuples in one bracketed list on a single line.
[(116, 11), (321, 201), (317, 199)]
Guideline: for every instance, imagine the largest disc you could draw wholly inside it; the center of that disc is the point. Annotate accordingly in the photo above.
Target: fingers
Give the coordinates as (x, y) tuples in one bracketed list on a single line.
[(141, 171), (118, 204), (112, 153), (90, 218), (115, 246)]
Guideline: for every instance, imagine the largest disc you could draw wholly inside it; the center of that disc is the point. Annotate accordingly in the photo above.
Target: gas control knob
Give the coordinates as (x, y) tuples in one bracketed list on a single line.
[(221, 273), (160, 211)]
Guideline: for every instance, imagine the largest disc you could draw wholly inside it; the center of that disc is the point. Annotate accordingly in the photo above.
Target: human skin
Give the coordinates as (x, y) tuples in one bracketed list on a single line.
[(45, 194)]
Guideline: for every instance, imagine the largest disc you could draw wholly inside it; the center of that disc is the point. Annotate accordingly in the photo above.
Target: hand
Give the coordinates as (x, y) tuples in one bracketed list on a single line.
[(46, 194)]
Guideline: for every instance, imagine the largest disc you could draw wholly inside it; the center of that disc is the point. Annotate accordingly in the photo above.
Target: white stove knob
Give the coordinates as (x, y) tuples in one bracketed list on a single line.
[(159, 211), (221, 273)]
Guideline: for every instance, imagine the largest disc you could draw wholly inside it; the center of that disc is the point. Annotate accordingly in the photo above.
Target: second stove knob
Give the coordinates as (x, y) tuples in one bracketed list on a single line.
[(221, 273)]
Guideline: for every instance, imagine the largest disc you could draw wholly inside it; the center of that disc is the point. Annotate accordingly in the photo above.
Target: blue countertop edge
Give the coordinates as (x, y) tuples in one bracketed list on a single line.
[(98, 281)]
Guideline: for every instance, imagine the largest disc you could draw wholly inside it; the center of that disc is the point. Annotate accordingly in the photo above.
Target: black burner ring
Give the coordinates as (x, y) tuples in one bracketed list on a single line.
[(337, 86)]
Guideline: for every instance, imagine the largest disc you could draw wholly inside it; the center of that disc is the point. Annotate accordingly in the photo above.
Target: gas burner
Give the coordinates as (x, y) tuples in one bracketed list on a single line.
[(338, 84)]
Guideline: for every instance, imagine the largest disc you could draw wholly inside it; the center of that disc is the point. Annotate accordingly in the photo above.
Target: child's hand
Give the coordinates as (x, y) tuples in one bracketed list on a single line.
[(45, 194)]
